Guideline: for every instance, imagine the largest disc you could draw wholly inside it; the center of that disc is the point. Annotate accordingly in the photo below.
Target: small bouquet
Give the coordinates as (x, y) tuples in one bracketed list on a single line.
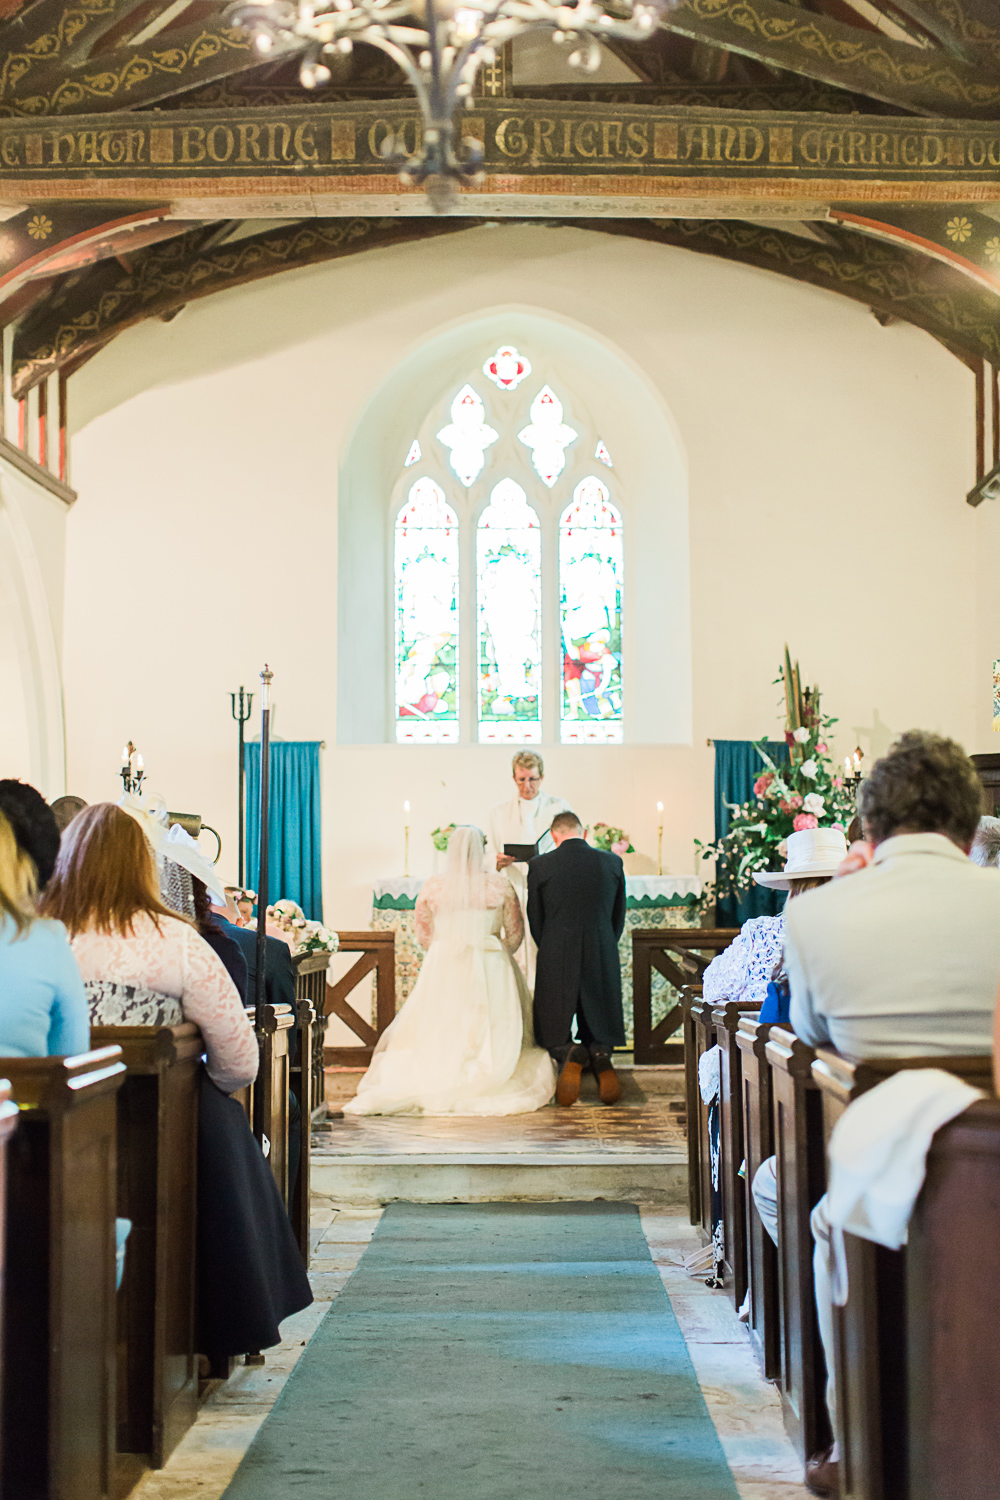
[(301, 935), (441, 836), (614, 839)]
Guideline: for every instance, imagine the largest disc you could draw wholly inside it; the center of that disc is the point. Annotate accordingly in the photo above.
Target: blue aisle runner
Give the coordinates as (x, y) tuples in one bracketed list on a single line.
[(499, 1351)]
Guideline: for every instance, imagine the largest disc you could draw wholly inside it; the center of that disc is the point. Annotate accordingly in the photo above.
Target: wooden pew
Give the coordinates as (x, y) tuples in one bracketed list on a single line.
[(725, 1019), (310, 1029), (267, 1096), (703, 1040), (157, 1190), (953, 1331), (870, 1330), (801, 1168), (311, 971), (690, 995), (8, 1124), (764, 1326), (59, 1294)]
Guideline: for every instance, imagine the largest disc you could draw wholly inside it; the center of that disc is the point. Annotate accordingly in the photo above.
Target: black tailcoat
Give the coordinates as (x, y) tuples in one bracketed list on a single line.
[(576, 912)]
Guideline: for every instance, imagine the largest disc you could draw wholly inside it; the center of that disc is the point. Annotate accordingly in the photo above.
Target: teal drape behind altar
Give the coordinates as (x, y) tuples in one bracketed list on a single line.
[(737, 766), (295, 854)]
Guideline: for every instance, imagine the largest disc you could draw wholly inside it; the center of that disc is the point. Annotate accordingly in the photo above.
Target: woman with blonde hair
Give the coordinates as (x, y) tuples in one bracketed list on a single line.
[(143, 964), (43, 1007)]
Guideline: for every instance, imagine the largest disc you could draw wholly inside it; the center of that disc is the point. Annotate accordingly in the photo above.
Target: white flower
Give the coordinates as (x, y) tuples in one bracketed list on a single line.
[(808, 769), (783, 849), (800, 735), (814, 803)]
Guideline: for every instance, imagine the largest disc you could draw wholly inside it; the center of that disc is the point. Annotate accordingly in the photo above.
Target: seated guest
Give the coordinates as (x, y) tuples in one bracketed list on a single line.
[(279, 971), (142, 964), (985, 849), (745, 970), (43, 1007), (34, 825), (902, 957), (218, 938)]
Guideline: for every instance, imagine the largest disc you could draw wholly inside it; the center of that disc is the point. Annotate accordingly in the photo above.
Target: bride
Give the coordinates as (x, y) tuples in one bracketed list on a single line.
[(463, 1043)]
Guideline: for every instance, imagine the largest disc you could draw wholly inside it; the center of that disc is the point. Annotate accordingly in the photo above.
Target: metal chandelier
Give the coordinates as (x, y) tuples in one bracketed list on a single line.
[(440, 49)]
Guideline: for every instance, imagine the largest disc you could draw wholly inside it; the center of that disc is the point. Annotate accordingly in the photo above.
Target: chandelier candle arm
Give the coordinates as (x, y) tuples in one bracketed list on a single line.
[(440, 57)]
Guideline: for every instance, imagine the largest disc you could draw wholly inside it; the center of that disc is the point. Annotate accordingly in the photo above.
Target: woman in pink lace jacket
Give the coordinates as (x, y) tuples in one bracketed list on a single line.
[(142, 964)]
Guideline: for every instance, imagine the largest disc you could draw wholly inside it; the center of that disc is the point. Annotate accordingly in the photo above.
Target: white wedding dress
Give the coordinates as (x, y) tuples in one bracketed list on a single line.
[(463, 1043)]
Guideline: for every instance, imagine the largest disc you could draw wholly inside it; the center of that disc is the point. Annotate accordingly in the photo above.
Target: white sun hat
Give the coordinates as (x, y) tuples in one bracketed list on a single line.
[(812, 854)]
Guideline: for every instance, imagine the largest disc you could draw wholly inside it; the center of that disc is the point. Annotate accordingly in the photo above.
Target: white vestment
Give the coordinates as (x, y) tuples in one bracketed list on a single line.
[(521, 820)]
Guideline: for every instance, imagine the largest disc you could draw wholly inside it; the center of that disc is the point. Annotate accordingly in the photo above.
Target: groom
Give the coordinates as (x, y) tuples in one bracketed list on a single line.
[(576, 911)]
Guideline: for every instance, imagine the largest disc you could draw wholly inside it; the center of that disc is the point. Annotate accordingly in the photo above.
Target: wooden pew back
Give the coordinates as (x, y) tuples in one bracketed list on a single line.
[(59, 1295), (726, 1019), (266, 1099), (310, 1045), (871, 1372), (690, 995), (758, 1144), (702, 1041), (801, 1169), (157, 1190), (953, 1332)]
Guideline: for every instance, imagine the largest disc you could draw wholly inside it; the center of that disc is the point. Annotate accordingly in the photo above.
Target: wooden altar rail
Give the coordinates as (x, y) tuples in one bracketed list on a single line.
[(59, 1287), (157, 1396), (681, 956), (378, 953)]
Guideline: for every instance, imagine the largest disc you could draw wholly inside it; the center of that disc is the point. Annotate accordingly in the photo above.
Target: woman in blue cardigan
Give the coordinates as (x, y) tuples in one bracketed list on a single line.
[(43, 1007)]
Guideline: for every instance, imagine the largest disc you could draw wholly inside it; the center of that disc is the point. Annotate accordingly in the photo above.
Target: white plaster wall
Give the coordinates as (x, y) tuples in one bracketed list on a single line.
[(32, 556), (827, 459)]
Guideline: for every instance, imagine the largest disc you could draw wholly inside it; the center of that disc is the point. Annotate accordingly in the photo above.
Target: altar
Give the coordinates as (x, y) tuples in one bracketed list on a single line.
[(650, 901)]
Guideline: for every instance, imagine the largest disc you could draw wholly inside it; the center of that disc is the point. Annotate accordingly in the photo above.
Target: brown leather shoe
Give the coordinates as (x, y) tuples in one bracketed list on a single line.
[(823, 1475), (607, 1078), (568, 1087)]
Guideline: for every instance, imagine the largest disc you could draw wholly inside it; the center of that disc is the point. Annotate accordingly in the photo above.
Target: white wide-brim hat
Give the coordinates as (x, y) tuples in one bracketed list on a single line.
[(813, 853)]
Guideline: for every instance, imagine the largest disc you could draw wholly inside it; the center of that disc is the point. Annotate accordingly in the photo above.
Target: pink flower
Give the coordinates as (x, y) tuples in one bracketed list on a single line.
[(821, 749), (838, 782), (791, 803), (804, 820), (621, 847), (762, 783)]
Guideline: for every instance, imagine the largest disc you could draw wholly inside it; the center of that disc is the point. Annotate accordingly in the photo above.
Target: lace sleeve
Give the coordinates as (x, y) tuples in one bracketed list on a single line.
[(742, 971), (212, 1001), (726, 974), (423, 919), (513, 920)]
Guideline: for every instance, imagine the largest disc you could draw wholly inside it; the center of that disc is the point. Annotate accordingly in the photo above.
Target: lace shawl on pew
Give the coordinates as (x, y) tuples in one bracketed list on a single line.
[(113, 1004)]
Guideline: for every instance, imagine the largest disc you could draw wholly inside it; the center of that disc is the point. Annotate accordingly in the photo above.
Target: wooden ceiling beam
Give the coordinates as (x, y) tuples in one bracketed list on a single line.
[(54, 31), (139, 75), (967, 28), (866, 62)]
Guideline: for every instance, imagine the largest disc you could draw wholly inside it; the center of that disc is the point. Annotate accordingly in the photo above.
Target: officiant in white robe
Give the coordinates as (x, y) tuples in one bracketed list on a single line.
[(525, 818)]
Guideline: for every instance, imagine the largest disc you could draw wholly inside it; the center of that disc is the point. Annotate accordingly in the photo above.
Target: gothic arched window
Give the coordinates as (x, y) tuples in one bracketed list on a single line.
[(537, 603), (427, 630), (590, 615), (509, 598)]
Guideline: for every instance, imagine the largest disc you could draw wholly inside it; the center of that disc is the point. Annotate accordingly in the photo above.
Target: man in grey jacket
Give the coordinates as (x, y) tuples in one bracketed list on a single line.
[(903, 957)]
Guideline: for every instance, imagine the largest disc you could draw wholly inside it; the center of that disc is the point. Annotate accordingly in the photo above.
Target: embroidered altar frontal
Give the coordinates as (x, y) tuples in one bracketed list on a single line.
[(657, 901)]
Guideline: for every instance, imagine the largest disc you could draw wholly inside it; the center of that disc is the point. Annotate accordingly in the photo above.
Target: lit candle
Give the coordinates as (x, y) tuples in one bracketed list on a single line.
[(857, 764), (847, 765), (140, 764), (125, 757)]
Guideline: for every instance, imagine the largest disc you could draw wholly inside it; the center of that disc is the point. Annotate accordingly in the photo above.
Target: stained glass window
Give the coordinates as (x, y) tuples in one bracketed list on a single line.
[(426, 572), (508, 558), (590, 607), (601, 452), (506, 368), (467, 435), (414, 454), (548, 436)]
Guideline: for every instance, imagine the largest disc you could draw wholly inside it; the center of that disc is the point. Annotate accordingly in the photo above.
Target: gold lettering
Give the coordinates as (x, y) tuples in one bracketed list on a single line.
[(8, 151), (908, 147), (977, 152), (510, 136), (286, 141), (342, 140), (586, 146), (567, 146), (375, 139), (780, 141), (212, 143), (810, 143), (606, 130), (134, 142), (57, 141), (305, 143), (249, 141), (192, 143), (856, 140), (543, 137), (112, 147), (994, 152), (87, 145), (932, 142), (880, 148), (638, 138), (737, 144), (834, 141), (702, 136)]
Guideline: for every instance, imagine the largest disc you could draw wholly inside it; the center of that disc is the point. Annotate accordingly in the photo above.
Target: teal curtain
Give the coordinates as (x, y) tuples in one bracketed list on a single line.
[(295, 854), (737, 766)]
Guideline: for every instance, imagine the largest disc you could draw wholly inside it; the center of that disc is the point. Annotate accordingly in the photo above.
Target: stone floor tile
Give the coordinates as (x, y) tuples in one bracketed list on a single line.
[(345, 1261)]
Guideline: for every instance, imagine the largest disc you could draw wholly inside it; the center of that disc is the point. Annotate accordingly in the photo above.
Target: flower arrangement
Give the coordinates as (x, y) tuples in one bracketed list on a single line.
[(807, 791), (614, 839), (440, 836), (302, 935)]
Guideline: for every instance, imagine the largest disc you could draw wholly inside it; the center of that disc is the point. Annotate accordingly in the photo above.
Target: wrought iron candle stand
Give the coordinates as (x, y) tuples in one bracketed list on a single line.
[(241, 715)]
